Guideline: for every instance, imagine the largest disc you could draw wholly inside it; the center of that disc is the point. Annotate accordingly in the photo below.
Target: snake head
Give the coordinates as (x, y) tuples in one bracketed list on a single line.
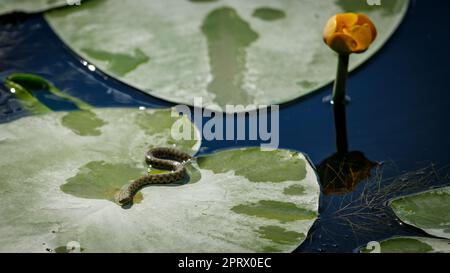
[(123, 198)]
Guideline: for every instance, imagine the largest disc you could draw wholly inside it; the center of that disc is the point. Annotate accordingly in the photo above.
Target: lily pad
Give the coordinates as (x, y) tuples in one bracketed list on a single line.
[(411, 245), (7, 6), (251, 164), (56, 189), (226, 52), (429, 211)]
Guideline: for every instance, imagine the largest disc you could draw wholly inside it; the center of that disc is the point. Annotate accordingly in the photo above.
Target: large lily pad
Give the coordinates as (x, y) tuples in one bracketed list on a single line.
[(7, 6), (57, 183), (429, 211), (227, 51)]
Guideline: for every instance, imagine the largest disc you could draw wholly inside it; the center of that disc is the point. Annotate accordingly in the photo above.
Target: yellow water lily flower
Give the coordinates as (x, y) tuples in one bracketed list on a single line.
[(348, 33)]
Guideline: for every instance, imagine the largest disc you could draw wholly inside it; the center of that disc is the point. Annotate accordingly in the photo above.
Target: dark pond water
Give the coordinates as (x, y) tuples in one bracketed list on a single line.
[(398, 115)]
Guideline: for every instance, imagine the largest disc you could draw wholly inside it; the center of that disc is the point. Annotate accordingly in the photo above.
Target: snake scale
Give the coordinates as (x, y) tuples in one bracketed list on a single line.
[(161, 158)]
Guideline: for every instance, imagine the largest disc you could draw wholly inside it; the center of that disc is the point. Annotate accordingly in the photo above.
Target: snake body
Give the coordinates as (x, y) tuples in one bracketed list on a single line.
[(160, 158)]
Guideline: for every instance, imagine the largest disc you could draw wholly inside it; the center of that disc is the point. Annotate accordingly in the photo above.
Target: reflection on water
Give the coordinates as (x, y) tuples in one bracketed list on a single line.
[(341, 173), (357, 195)]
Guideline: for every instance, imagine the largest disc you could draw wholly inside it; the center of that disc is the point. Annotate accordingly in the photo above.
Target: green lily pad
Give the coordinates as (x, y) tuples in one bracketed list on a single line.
[(411, 245), (7, 6), (252, 163), (226, 52), (276, 210), (56, 189), (429, 211)]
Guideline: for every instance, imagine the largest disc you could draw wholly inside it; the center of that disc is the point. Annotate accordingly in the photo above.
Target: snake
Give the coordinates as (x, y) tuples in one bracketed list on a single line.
[(170, 159)]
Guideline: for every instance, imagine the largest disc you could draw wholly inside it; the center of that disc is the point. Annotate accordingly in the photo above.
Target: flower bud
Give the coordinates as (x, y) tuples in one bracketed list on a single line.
[(348, 33)]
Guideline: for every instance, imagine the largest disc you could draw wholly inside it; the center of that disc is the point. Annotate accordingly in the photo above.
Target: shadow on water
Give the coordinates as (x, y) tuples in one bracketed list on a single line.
[(341, 173)]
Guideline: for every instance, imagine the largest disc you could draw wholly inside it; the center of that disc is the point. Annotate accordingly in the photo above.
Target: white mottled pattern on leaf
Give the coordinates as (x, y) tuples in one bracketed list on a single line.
[(168, 55), (52, 193)]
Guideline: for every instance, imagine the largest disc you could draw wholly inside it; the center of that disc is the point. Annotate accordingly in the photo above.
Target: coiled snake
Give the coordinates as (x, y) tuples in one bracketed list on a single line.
[(161, 158)]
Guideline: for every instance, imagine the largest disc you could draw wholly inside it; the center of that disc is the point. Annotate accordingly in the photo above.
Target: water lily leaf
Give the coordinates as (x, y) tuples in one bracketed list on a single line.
[(7, 6), (411, 245), (250, 164), (429, 211), (227, 52), (56, 188)]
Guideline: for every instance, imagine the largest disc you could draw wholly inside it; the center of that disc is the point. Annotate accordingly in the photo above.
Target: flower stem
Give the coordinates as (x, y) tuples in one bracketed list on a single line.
[(339, 102), (341, 80)]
